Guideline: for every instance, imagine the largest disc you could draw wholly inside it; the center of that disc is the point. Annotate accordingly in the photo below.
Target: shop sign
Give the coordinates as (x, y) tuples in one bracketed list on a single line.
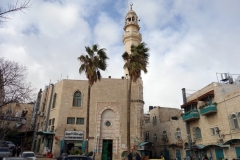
[(10, 118), (73, 135)]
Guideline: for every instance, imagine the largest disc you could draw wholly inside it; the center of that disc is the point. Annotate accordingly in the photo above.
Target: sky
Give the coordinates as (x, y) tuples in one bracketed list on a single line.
[(190, 41)]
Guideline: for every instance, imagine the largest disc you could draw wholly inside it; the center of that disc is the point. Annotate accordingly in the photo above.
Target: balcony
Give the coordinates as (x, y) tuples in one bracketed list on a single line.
[(191, 115), (209, 109)]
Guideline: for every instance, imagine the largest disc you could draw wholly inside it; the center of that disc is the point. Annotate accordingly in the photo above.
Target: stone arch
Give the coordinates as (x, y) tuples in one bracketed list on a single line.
[(116, 137)]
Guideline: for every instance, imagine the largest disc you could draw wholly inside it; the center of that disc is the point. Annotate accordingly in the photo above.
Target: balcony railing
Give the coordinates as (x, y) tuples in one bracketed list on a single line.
[(209, 109), (191, 115)]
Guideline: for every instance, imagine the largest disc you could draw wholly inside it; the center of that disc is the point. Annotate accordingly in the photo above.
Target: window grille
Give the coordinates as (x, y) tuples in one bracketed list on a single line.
[(70, 120), (80, 121)]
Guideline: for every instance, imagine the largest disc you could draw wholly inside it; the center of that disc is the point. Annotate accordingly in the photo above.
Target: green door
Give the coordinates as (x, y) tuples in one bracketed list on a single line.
[(38, 145), (107, 150), (237, 152), (187, 154), (166, 155), (178, 154), (219, 154)]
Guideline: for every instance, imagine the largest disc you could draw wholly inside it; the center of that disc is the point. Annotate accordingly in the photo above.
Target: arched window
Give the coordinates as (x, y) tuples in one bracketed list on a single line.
[(178, 133), (77, 98), (54, 100), (197, 133), (234, 121)]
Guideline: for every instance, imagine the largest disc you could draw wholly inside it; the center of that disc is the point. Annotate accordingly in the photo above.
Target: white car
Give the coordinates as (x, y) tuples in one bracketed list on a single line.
[(29, 154)]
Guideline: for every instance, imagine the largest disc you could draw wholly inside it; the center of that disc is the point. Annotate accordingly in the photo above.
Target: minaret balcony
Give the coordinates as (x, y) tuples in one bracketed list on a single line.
[(209, 109), (127, 35), (191, 115)]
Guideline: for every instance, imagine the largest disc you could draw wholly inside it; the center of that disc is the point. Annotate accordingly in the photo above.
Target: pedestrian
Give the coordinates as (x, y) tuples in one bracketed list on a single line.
[(205, 157), (162, 157), (18, 151), (14, 151)]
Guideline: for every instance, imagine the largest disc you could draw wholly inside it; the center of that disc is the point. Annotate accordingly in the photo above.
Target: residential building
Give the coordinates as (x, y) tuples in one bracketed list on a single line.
[(166, 132), (17, 118), (212, 115)]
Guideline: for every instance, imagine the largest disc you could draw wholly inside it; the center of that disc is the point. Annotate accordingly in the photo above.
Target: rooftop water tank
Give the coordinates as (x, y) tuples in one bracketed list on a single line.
[(224, 76)]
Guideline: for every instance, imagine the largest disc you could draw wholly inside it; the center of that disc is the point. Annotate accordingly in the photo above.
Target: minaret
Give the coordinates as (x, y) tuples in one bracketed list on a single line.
[(131, 32)]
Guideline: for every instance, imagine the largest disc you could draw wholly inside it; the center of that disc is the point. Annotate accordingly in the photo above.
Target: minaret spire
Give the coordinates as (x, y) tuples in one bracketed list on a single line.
[(131, 6)]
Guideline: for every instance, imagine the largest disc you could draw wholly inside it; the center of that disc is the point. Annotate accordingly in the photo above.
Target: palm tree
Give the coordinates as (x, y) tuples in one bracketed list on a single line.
[(91, 64), (135, 62)]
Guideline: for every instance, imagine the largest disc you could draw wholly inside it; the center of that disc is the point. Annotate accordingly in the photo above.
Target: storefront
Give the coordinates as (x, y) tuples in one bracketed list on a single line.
[(73, 142)]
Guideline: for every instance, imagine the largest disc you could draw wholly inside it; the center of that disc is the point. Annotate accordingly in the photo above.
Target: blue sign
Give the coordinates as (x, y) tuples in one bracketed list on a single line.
[(83, 146)]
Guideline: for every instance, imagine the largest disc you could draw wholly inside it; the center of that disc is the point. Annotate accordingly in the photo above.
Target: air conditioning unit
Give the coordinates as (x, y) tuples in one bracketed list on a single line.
[(41, 114), (50, 128)]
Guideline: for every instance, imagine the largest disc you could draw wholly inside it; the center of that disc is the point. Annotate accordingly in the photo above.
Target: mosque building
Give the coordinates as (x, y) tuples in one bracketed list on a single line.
[(61, 110)]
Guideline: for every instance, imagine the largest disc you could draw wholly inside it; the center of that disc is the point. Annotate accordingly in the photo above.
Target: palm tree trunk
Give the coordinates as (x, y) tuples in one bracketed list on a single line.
[(128, 115), (87, 123)]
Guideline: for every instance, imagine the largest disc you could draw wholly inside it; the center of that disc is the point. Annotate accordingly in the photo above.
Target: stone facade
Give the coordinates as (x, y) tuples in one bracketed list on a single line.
[(108, 103), (166, 131)]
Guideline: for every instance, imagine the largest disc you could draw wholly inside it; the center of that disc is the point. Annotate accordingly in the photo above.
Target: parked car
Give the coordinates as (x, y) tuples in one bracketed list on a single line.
[(10, 144), (3, 144), (4, 152), (29, 154), (14, 158), (75, 157)]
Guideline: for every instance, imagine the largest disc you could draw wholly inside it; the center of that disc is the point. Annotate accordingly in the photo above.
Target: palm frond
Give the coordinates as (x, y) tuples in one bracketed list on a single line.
[(93, 62)]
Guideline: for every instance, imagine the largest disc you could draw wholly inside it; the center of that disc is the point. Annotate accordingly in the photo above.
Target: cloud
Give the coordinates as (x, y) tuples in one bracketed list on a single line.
[(189, 42)]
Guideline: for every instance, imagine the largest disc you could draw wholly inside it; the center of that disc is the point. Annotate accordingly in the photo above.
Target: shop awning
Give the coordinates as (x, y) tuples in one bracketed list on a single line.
[(175, 145), (232, 141), (210, 94), (143, 143), (198, 146), (195, 101), (45, 133), (217, 145)]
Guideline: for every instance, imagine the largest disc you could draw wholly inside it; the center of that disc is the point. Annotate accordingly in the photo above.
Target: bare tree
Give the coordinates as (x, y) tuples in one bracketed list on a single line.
[(13, 85), (13, 8)]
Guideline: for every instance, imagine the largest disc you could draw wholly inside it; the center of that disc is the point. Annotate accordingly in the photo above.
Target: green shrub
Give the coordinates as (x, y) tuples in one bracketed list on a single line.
[(90, 153), (75, 152)]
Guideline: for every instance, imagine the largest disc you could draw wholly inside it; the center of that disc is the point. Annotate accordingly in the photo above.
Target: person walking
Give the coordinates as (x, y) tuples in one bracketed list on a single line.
[(18, 151), (14, 151)]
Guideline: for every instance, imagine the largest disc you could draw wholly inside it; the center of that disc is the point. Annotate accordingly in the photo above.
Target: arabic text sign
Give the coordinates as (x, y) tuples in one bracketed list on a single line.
[(73, 135)]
